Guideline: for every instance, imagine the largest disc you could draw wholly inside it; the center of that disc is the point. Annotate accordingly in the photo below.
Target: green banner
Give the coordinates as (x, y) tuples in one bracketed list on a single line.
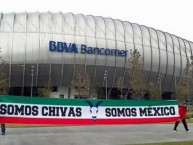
[(37, 110)]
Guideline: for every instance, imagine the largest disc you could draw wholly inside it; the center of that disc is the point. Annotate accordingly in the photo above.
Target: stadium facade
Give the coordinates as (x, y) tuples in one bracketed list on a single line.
[(48, 46)]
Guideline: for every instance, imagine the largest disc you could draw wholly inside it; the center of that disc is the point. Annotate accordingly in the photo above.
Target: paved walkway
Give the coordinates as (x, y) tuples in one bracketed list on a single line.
[(95, 135)]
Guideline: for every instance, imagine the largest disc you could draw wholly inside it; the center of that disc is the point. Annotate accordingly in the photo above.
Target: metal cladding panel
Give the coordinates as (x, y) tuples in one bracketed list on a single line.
[(100, 59), (68, 24), (137, 35), (120, 32), (182, 47), (90, 26), (80, 58), (120, 61), (129, 47), (178, 63), (5, 39), (154, 40), (80, 25), (178, 60), (20, 22), (46, 21), (176, 45), (24, 41), (100, 39), (183, 53), (44, 54), (147, 48), (188, 49), (170, 52), (91, 39), (80, 37), (31, 48), (120, 43), (110, 41), (33, 24), (7, 21), (184, 61), (110, 29), (191, 45), (163, 62), (146, 36), (128, 32), (57, 58), (100, 28), (68, 58), (163, 47), (156, 55), (162, 40), (147, 58), (18, 48), (138, 39), (57, 25)]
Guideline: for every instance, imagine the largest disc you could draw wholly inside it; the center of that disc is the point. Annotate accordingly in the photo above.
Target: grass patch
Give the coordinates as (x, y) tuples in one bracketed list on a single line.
[(170, 143)]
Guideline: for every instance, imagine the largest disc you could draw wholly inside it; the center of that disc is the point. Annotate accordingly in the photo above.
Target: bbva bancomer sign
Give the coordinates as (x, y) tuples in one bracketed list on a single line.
[(84, 49)]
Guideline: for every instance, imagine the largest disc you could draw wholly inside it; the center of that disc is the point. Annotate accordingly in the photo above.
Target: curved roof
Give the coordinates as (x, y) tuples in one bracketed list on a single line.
[(90, 26)]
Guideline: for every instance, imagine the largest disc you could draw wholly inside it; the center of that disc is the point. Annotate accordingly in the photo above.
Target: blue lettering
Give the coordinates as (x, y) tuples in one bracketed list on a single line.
[(102, 51), (65, 47), (107, 51), (123, 53), (52, 46), (73, 48), (96, 50), (114, 52), (60, 47), (90, 50), (83, 49)]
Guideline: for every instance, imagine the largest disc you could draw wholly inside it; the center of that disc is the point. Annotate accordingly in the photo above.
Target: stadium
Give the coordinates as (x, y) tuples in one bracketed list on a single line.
[(42, 47)]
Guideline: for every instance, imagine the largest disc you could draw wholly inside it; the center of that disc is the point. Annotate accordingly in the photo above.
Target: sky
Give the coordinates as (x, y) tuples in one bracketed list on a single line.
[(172, 16)]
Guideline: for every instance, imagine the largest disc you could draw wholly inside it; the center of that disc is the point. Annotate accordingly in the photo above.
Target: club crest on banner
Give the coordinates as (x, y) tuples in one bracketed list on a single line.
[(94, 109)]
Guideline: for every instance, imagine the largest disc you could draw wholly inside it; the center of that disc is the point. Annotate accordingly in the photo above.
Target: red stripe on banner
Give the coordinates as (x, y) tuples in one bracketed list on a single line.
[(55, 121)]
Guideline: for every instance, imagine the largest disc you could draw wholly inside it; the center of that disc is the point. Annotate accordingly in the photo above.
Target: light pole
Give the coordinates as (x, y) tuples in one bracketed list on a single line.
[(32, 79), (105, 77)]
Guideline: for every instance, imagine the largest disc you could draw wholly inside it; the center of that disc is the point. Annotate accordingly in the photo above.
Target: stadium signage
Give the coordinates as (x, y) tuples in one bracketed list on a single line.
[(38, 110), (84, 49)]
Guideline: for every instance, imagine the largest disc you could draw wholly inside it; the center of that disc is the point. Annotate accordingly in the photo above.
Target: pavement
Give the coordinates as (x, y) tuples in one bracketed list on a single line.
[(96, 135)]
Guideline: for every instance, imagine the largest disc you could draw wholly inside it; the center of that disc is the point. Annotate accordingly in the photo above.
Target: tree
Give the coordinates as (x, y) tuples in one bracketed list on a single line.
[(153, 91), (81, 83), (120, 86), (182, 88), (135, 66), (46, 90), (96, 92), (3, 78)]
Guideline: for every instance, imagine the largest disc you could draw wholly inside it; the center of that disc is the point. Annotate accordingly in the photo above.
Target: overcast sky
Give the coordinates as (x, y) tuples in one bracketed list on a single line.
[(172, 16)]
